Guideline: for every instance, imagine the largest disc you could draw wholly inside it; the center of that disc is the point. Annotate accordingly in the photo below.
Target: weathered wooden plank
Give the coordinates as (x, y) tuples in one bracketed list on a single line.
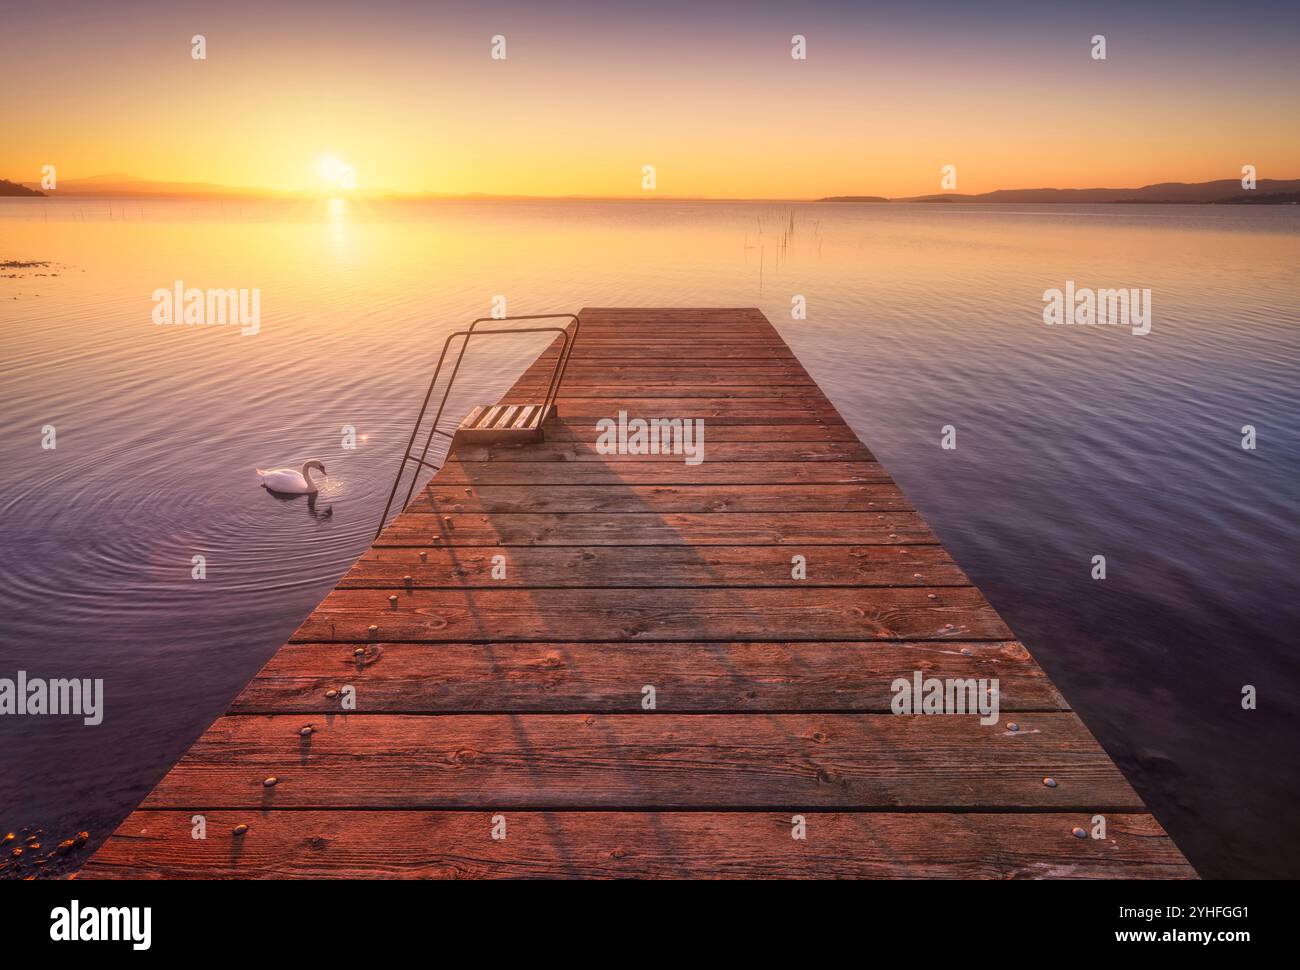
[(684, 341), (588, 411), (714, 407), (703, 353), (611, 353), (535, 391), (498, 499), (409, 678), (462, 474), (635, 845), (824, 613), (754, 342), (575, 430), (595, 329), (764, 451), (653, 528), (596, 319), (653, 323), (678, 332), (683, 376), (716, 567), (676, 325), (613, 372), (777, 761)]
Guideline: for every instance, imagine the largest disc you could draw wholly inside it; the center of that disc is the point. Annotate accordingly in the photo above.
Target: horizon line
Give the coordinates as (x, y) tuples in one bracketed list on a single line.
[(161, 188)]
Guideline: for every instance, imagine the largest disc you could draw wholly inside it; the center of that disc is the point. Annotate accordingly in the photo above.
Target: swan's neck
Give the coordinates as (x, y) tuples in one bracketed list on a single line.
[(306, 475)]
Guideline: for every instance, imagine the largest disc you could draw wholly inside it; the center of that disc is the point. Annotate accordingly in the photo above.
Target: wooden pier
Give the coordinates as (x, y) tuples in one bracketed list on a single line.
[(517, 706)]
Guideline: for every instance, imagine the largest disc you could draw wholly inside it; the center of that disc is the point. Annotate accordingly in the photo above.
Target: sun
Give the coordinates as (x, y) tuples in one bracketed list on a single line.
[(336, 174)]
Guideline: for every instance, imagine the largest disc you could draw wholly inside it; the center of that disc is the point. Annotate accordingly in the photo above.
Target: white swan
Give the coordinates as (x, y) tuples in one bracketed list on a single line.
[(291, 482)]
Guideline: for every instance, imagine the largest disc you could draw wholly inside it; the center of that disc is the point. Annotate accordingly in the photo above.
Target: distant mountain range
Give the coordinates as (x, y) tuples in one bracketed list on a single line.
[(117, 184), (1222, 191), (1267, 191)]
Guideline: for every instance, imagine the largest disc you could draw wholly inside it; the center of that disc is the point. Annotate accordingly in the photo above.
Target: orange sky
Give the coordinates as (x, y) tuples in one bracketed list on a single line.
[(409, 96)]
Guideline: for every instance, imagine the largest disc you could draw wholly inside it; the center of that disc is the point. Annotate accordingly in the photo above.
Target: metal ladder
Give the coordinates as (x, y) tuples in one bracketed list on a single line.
[(544, 411)]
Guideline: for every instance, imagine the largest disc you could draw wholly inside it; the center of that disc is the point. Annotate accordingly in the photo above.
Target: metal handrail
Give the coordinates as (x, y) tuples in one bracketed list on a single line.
[(552, 391)]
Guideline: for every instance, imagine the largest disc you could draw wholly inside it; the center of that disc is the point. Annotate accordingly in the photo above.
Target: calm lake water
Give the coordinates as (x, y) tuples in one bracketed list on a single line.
[(1071, 443)]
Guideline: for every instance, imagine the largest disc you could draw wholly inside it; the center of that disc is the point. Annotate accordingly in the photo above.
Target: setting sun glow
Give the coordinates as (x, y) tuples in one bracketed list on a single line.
[(336, 174)]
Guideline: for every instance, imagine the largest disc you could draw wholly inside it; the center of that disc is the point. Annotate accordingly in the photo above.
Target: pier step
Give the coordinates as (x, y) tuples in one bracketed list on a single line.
[(490, 424)]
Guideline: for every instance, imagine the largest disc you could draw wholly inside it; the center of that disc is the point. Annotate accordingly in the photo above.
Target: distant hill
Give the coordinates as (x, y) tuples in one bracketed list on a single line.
[(1267, 191), (1272, 198), (854, 198), (13, 188), (117, 184)]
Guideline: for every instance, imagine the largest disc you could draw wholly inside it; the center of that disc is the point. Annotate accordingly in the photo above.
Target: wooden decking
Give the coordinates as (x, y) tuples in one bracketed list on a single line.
[(483, 700)]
